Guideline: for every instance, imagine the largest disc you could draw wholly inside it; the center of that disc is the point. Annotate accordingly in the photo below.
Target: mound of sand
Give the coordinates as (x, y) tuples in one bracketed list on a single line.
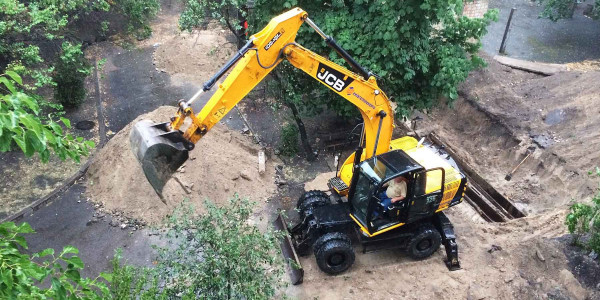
[(224, 162)]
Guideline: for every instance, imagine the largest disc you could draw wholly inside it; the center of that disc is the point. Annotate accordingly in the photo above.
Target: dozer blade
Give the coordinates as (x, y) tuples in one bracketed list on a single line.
[(159, 151), (289, 252)]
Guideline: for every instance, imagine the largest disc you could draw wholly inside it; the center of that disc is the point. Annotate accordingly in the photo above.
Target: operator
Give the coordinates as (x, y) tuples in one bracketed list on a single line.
[(396, 191)]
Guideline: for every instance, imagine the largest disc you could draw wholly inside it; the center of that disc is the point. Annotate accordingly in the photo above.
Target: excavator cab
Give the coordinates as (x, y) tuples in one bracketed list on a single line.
[(375, 215), (159, 150)]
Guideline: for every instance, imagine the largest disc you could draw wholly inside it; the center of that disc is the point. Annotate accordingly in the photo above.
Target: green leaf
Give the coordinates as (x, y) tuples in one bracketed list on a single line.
[(59, 289), (73, 275), (69, 249), (46, 252), (15, 76), (56, 128), (107, 276), (8, 84), (21, 143), (76, 261), (66, 122)]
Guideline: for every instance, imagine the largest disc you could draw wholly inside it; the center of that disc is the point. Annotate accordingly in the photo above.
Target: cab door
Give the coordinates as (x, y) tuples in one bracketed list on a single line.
[(427, 192)]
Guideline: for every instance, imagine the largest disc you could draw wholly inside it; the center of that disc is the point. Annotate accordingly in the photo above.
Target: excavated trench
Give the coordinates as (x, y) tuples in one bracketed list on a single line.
[(491, 205)]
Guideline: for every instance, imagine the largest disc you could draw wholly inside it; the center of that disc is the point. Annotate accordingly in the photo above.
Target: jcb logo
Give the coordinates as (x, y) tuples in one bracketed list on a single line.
[(333, 78)]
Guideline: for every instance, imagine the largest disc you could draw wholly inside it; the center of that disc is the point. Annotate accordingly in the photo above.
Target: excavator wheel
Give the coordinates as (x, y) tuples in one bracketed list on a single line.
[(335, 256), (425, 242), (324, 239), (310, 200)]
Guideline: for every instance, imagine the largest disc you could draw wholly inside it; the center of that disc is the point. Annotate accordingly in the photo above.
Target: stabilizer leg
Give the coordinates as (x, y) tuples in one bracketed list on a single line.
[(444, 226)]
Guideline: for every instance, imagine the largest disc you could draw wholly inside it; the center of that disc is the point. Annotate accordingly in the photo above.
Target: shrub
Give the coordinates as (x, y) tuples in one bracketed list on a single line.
[(71, 70), (288, 143), (584, 220), (139, 13), (217, 255)]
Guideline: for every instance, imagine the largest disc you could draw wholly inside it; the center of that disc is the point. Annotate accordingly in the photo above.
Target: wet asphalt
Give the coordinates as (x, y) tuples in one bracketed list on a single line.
[(532, 38)]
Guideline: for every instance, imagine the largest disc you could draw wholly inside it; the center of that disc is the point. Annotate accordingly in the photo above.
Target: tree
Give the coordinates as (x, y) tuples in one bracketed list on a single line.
[(421, 50), (564, 9), (21, 125), (25, 26), (43, 275)]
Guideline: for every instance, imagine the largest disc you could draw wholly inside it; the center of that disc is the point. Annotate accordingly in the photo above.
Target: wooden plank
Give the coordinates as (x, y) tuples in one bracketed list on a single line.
[(531, 66)]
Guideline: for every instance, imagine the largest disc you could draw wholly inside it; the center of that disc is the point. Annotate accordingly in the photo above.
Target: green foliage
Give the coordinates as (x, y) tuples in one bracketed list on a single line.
[(229, 13), (288, 143), (20, 125), (584, 220), (564, 9), (219, 255), (71, 71), (26, 24), (135, 283), (139, 13), (421, 50), (43, 275)]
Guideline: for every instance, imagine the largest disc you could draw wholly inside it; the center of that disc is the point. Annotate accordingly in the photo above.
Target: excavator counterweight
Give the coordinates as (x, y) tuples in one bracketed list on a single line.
[(160, 151)]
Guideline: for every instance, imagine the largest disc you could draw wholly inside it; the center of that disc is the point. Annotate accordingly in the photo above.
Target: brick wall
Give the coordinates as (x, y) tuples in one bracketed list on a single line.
[(475, 8)]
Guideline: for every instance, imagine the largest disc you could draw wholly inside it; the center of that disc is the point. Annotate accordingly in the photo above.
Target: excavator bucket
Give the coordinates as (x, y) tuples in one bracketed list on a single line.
[(160, 151), (289, 252)]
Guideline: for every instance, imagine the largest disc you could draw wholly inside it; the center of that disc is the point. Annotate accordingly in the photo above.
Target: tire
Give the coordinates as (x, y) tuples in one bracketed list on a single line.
[(322, 240), (335, 256), (310, 200), (425, 242)]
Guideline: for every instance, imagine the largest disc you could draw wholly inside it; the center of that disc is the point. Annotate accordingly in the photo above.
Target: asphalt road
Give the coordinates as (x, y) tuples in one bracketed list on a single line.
[(532, 38), (66, 221)]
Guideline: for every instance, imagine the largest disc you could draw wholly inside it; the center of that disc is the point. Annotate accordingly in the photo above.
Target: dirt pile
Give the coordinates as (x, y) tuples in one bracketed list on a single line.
[(224, 162), (502, 112)]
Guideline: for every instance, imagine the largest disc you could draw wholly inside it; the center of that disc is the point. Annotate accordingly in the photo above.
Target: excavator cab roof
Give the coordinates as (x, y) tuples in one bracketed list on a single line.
[(388, 165)]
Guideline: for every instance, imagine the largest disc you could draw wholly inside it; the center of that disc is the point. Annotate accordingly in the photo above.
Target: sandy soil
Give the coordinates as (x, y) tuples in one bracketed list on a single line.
[(223, 163), (509, 111), (188, 56)]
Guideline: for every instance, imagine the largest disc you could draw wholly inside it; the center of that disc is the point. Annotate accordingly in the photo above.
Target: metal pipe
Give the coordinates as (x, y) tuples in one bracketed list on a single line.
[(381, 115), (333, 44), (316, 28), (503, 44)]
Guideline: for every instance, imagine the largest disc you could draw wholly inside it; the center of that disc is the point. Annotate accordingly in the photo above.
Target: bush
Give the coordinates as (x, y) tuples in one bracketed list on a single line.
[(218, 255), (71, 70), (43, 275), (139, 13), (583, 220), (288, 143)]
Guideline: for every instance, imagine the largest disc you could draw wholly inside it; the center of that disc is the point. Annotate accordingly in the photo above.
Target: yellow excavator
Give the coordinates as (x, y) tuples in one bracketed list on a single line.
[(353, 210)]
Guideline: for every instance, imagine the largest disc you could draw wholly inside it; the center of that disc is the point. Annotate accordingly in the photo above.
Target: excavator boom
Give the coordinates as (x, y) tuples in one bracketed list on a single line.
[(162, 148)]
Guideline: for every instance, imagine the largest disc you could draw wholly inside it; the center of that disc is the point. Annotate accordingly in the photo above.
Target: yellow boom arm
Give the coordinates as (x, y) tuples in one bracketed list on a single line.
[(265, 50)]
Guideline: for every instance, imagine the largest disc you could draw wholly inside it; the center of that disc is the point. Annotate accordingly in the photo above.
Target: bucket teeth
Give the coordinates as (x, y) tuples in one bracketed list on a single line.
[(159, 151)]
